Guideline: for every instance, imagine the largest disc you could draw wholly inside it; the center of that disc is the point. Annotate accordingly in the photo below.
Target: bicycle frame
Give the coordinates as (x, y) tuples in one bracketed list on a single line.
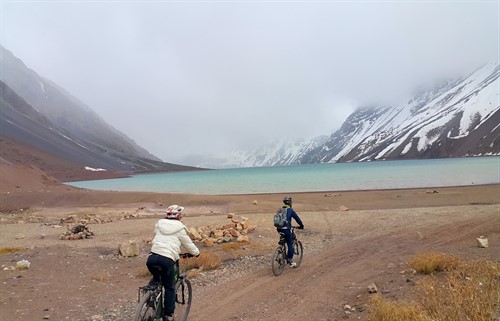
[(278, 262), (151, 298)]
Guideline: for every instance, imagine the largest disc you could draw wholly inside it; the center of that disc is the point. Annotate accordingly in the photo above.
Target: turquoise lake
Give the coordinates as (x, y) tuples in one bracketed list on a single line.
[(313, 178)]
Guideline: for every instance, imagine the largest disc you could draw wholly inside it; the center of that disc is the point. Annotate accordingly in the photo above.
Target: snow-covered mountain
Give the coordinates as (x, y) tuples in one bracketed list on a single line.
[(284, 152), (453, 119)]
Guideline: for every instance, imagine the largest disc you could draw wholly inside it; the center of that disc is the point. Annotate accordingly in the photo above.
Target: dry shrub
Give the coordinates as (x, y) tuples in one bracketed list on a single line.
[(380, 309), (470, 292), (431, 262), (231, 246), (466, 291), (193, 273), (101, 277), (207, 261), (5, 250), (144, 273)]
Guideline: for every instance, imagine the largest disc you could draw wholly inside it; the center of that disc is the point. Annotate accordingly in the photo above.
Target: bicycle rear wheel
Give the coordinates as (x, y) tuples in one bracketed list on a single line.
[(148, 308), (298, 252), (279, 260), (183, 298)]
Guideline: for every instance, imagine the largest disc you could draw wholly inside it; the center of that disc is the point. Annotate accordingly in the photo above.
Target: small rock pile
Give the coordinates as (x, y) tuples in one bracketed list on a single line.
[(236, 230), (77, 232)]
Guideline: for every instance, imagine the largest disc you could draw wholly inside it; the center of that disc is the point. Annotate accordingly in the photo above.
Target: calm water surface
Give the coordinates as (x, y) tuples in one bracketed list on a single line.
[(317, 177)]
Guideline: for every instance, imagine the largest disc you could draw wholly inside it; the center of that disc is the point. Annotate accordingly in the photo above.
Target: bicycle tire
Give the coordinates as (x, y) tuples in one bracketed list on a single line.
[(146, 311), (183, 299), (298, 251), (279, 260)]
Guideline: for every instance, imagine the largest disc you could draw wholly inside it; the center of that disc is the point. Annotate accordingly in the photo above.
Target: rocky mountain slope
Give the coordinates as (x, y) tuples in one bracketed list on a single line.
[(454, 119), (38, 117)]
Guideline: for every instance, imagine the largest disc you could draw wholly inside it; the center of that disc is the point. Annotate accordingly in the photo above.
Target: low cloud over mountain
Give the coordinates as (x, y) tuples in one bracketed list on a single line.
[(453, 119), (51, 127)]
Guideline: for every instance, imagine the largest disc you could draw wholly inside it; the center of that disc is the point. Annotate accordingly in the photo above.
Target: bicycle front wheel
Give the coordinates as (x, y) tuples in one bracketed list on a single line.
[(148, 308), (183, 298), (279, 260), (298, 252)]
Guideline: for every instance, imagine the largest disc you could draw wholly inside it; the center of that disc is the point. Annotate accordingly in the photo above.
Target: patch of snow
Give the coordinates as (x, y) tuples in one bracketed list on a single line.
[(43, 87), (87, 168)]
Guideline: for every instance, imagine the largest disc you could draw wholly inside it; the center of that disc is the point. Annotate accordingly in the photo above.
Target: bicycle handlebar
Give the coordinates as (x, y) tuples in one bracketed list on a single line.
[(185, 255)]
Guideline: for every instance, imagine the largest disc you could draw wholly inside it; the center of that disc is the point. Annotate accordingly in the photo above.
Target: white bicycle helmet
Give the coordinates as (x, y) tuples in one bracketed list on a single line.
[(174, 212)]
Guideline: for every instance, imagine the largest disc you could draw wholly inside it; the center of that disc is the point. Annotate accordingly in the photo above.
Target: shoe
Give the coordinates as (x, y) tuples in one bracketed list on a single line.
[(168, 318), (293, 264)]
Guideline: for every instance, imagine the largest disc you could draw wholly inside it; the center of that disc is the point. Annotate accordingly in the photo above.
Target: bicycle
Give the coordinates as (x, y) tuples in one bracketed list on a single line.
[(279, 258), (151, 303)]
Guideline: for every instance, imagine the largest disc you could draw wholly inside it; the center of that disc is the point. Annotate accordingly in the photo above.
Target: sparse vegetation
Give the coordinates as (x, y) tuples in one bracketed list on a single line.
[(207, 261), (430, 262), (385, 310), (468, 291), (101, 277), (231, 246), (143, 273), (5, 250)]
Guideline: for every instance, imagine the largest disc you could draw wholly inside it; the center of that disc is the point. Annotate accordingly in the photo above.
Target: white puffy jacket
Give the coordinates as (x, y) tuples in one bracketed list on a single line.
[(170, 236)]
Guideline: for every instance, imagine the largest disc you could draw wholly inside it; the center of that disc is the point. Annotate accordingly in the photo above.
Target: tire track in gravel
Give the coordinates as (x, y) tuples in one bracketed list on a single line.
[(329, 279)]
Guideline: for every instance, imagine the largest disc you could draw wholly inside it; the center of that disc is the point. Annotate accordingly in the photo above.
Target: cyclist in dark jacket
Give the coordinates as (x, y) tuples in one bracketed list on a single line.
[(287, 229)]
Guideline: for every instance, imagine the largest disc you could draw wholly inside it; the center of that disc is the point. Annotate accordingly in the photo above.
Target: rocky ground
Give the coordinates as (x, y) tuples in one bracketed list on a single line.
[(351, 240)]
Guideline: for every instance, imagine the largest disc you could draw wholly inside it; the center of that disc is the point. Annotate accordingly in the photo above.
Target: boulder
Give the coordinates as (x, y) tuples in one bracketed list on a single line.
[(129, 249), (194, 235), (208, 242), (243, 239)]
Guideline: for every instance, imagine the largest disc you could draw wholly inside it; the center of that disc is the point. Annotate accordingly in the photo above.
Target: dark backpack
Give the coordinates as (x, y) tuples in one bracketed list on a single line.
[(280, 219)]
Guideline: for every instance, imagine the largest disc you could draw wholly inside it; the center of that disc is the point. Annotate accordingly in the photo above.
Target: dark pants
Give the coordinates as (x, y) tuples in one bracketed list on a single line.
[(289, 242), (167, 278)]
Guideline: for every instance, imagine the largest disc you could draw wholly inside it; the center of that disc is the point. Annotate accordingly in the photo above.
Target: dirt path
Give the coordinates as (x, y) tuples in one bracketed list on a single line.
[(340, 273)]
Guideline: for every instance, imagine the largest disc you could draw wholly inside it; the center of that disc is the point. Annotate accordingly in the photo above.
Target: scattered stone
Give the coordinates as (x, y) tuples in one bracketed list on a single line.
[(77, 232), (431, 192), (343, 208), (23, 265), (372, 288), (230, 215), (232, 231), (255, 202), (208, 242), (242, 239), (482, 242)]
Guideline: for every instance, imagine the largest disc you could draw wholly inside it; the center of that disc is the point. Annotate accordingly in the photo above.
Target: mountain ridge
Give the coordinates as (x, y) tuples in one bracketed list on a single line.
[(455, 118), (43, 125)]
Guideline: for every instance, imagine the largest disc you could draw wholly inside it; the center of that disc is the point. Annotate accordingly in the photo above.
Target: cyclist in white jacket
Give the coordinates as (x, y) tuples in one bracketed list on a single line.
[(170, 235)]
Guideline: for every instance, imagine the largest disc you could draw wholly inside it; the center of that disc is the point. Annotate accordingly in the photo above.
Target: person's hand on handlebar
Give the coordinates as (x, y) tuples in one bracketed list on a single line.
[(186, 255), (301, 227)]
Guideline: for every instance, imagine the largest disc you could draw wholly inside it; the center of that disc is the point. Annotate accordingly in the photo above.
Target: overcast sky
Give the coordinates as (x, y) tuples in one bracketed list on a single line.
[(209, 77)]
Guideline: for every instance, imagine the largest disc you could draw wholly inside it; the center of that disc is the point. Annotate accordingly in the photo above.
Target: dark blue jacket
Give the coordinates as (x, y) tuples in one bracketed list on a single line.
[(289, 214)]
